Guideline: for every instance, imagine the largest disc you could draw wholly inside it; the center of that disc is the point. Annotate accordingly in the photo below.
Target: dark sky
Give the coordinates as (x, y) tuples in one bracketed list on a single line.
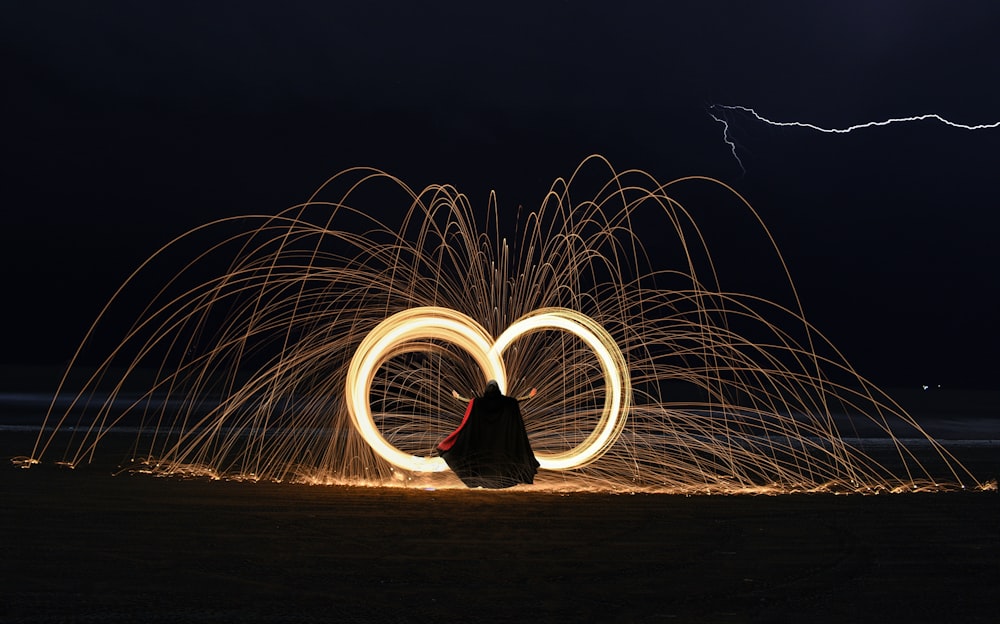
[(128, 124)]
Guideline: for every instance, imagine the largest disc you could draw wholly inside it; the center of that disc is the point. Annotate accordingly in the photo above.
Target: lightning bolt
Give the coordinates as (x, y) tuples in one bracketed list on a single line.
[(861, 126), (725, 136)]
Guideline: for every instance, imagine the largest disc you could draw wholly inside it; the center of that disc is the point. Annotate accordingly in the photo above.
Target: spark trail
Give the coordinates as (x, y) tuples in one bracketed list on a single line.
[(322, 345), (861, 126)]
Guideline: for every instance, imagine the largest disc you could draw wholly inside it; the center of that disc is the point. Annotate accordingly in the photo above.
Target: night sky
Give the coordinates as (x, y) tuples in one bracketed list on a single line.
[(128, 123)]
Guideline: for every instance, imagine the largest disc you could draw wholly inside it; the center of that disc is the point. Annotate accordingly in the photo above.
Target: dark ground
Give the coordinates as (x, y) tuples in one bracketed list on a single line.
[(82, 545)]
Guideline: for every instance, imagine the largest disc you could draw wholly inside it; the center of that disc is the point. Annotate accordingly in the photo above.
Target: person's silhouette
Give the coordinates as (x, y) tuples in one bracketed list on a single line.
[(490, 448)]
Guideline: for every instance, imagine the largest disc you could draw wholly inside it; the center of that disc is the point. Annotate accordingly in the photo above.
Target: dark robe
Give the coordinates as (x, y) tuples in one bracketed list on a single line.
[(490, 449)]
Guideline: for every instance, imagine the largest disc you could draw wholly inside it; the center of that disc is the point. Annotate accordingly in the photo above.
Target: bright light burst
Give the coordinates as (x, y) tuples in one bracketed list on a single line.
[(324, 345), (390, 336)]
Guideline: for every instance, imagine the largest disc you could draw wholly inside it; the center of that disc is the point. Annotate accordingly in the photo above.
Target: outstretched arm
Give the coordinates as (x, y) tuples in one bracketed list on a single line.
[(463, 399)]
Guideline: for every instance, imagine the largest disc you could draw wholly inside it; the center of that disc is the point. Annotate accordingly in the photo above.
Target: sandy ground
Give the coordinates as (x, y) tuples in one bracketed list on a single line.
[(82, 545)]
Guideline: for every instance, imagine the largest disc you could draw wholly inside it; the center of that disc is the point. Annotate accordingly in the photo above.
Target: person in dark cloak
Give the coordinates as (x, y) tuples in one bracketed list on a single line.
[(490, 449)]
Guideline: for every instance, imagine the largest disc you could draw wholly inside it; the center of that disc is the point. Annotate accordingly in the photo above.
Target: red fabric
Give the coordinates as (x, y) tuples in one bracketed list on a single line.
[(450, 440)]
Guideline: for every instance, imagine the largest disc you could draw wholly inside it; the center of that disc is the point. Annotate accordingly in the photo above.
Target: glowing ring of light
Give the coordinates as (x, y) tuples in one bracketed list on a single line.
[(377, 347), (617, 382), (386, 338)]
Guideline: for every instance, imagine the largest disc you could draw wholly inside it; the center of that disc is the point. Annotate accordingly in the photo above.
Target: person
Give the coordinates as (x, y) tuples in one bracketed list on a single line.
[(490, 449)]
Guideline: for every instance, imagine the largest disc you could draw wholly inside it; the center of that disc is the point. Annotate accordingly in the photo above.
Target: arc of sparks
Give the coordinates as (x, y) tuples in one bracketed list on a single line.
[(651, 374)]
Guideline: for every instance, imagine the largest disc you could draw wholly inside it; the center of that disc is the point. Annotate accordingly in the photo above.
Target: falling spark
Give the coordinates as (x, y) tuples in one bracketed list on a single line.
[(331, 348)]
